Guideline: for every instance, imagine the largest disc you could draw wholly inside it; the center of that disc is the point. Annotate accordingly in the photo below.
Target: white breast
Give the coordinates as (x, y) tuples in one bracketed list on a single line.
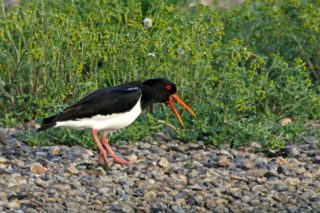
[(105, 122)]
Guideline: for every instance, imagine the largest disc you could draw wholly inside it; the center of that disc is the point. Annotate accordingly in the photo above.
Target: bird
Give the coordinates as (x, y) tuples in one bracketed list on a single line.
[(112, 108)]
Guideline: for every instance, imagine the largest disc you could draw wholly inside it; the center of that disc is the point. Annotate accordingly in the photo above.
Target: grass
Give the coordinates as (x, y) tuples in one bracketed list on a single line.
[(239, 69)]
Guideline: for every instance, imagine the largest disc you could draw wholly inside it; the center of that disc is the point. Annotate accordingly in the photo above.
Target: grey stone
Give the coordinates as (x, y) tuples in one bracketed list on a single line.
[(177, 209), (163, 162), (291, 151), (42, 183), (150, 196)]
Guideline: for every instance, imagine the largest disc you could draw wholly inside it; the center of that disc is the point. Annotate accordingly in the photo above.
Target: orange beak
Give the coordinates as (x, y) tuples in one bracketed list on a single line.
[(175, 97)]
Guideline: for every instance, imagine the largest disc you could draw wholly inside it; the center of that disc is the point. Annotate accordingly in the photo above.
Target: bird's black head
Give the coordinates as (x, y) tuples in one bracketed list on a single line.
[(162, 91), (159, 90)]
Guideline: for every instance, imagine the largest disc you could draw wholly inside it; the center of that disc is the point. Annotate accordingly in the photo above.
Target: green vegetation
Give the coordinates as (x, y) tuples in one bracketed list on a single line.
[(241, 70)]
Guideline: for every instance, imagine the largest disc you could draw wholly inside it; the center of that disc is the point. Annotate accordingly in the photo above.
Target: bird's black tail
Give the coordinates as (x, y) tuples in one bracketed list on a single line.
[(47, 123)]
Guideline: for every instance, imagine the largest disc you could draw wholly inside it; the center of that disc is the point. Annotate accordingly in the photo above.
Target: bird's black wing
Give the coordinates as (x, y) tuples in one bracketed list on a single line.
[(101, 102)]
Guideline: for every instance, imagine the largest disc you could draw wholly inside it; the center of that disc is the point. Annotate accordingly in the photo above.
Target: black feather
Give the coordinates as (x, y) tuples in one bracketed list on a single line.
[(101, 102)]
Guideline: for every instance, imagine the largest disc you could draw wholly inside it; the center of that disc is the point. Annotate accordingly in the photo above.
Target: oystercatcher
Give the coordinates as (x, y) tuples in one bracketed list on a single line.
[(113, 108)]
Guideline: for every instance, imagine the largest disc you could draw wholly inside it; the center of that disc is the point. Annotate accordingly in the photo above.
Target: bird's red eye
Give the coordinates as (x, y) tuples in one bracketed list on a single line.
[(168, 87)]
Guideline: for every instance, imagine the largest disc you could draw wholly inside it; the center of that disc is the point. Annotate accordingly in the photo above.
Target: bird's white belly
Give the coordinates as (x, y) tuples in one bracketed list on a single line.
[(105, 122)]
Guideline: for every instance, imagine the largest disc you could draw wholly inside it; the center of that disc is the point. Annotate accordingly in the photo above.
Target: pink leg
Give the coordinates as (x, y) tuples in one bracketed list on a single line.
[(103, 153), (116, 158)]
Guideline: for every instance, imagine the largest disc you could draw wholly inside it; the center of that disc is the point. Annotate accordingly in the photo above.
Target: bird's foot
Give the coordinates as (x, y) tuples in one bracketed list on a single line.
[(118, 160)]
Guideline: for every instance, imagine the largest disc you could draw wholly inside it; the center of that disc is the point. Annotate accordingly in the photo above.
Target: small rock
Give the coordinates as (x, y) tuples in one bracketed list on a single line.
[(14, 204), (150, 196), (120, 191), (154, 157), (195, 164), (80, 152), (180, 201), (221, 201), (317, 160), (72, 205), (61, 187), (19, 163), (291, 151), (285, 121), (13, 143), (237, 177), (210, 203), (55, 150), (126, 209), (163, 162), (307, 175), (261, 180), (37, 169), (199, 200), (132, 158), (3, 160), (42, 183), (126, 181), (198, 155), (162, 137), (147, 22), (17, 179), (255, 146), (246, 198), (281, 160), (197, 146), (95, 172), (157, 150), (223, 161), (177, 209), (258, 188), (255, 202), (243, 163), (293, 181), (182, 148), (3, 195), (181, 178), (248, 164), (73, 170), (107, 191), (105, 179), (257, 172), (225, 152), (281, 187)]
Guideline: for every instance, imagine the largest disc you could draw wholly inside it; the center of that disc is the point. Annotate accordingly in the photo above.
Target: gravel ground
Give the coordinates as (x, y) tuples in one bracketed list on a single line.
[(165, 176)]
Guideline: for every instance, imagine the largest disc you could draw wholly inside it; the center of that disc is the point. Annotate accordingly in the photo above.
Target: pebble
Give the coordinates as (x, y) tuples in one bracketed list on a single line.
[(73, 170), (38, 169), (292, 150), (165, 176), (244, 163), (257, 172), (281, 187), (177, 209), (293, 181), (150, 196), (14, 204), (223, 161), (281, 160), (163, 162), (210, 203), (132, 158), (3, 160), (55, 150), (182, 148), (42, 183), (285, 121)]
